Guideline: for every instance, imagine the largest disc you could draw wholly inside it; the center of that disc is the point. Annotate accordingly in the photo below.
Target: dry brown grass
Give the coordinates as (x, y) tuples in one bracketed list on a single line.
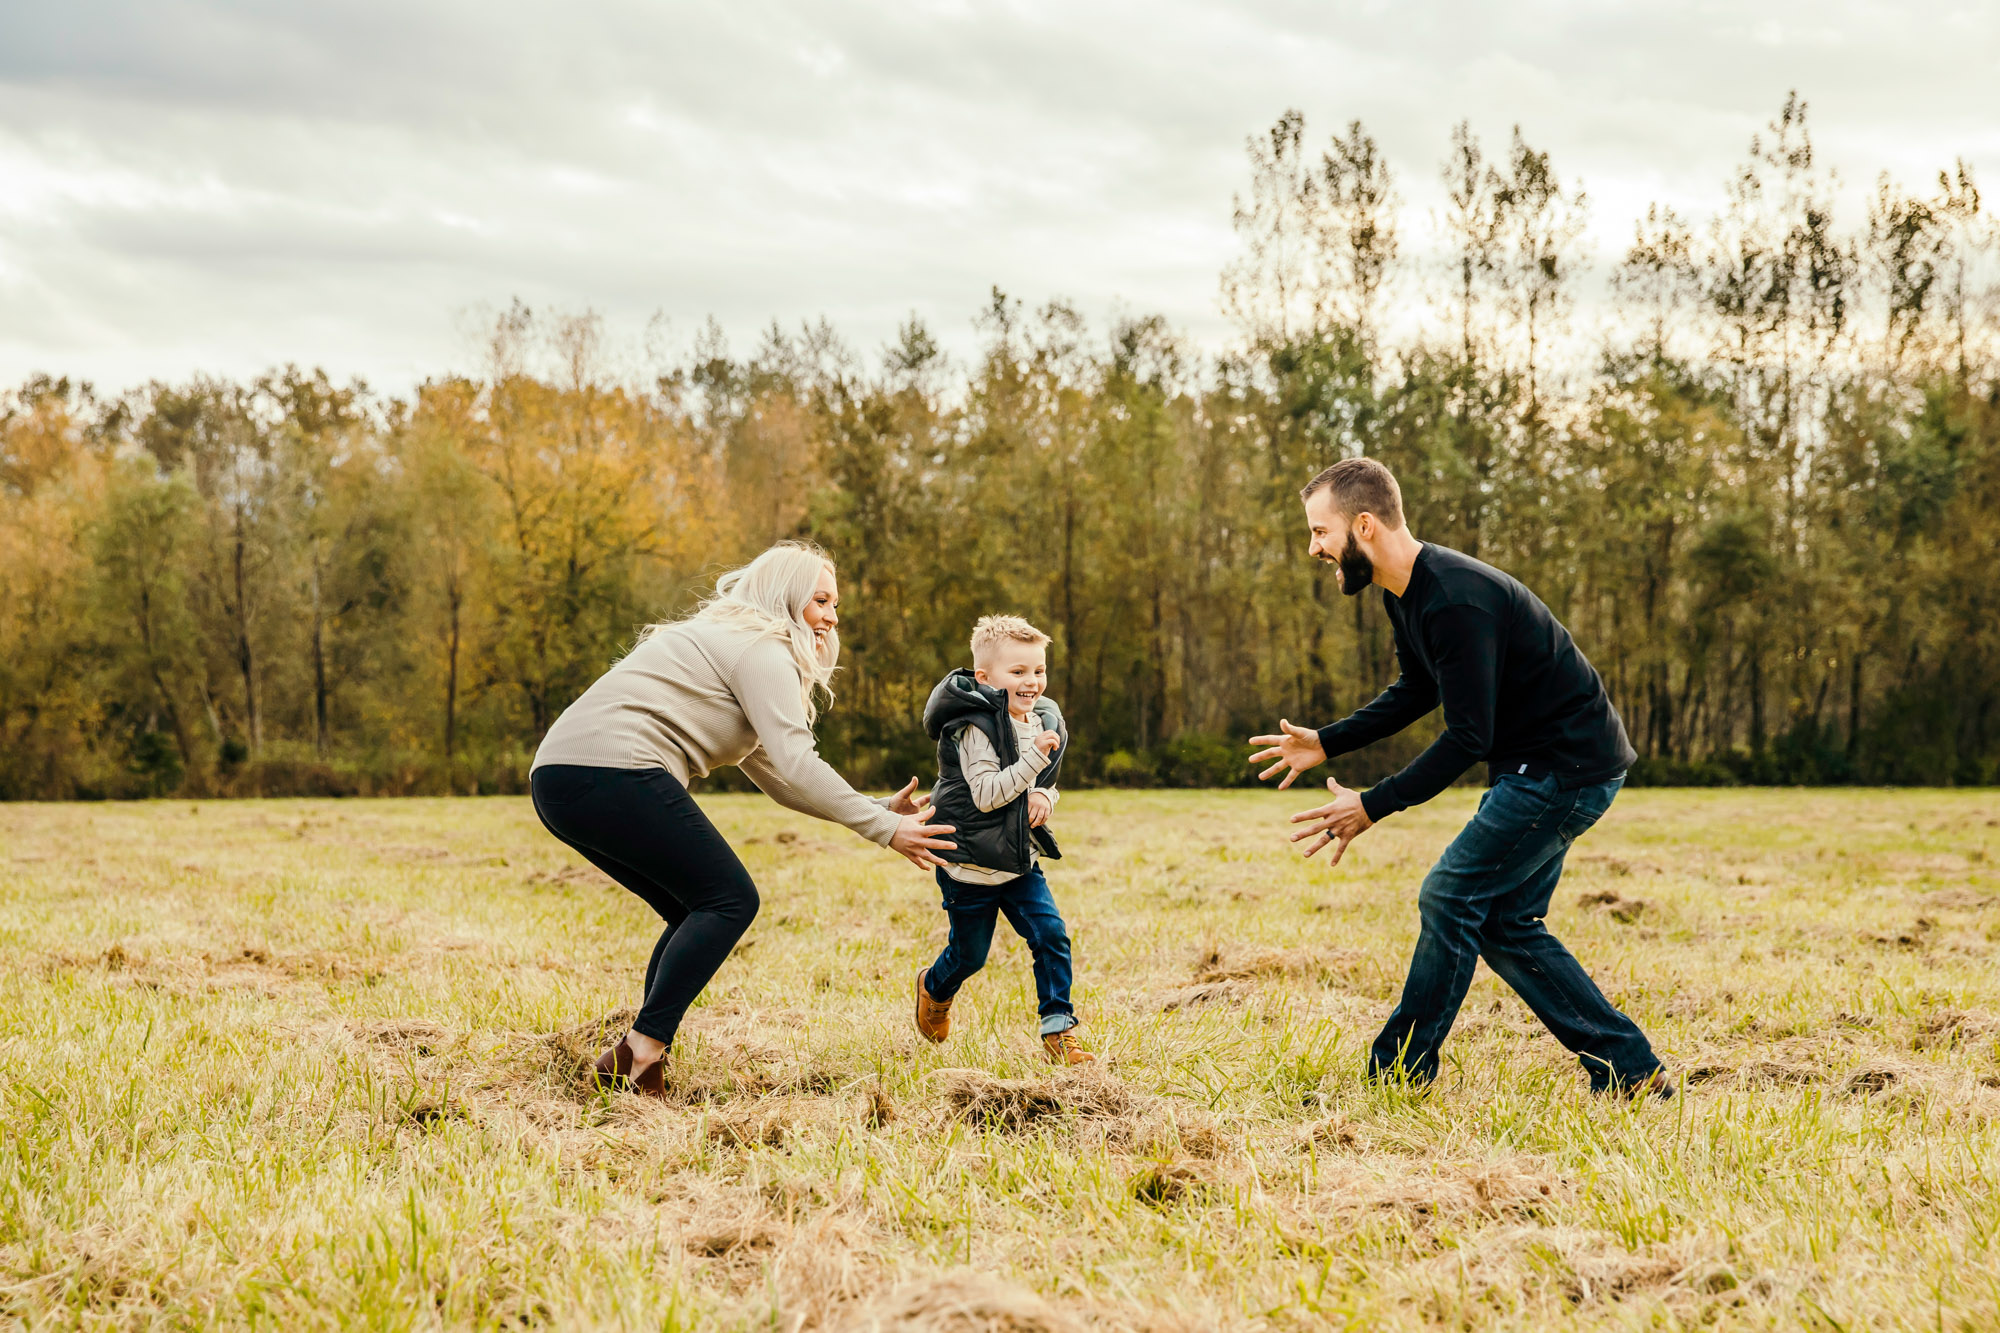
[(315, 1064)]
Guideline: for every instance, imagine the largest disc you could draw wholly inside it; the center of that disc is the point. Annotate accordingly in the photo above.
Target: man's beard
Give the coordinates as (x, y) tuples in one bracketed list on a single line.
[(1357, 571)]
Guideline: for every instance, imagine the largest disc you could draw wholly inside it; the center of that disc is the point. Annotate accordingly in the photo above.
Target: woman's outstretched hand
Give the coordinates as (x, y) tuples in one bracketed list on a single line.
[(903, 804), (916, 840)]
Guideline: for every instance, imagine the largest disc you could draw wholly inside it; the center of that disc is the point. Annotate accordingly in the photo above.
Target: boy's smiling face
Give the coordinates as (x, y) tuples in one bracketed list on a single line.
[(1020, 670)]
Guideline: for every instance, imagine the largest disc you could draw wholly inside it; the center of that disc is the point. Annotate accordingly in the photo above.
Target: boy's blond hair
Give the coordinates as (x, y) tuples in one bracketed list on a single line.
[(992, 630)]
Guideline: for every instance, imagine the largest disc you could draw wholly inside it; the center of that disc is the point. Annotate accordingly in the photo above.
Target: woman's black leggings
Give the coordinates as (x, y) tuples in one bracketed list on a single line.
[(640, 826)]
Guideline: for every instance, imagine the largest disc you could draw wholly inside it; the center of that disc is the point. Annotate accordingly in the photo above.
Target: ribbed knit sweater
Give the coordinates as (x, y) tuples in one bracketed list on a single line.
[(700, 695)]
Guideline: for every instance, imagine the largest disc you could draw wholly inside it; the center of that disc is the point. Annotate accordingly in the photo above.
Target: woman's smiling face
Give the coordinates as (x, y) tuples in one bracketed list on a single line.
[(822, 610)]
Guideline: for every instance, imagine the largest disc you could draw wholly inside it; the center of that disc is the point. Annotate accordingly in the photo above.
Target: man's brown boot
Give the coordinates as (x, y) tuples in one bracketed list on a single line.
[(1062, 1048), (933, 1016)]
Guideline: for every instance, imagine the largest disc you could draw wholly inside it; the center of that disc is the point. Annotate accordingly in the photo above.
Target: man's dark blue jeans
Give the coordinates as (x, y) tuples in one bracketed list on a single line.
[(1486, 897), (1031, 910)]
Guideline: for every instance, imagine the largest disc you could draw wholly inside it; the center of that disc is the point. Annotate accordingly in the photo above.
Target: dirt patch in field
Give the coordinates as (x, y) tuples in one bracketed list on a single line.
[(580, 875), (1953, 1027), (245, 967), (1872, 1079), (1233, 975), (1915, 936), (309, 965), (817, 1256), (960, 1302), (720, 1221), (1091, 1102), (117, 959), (976, 1097), (1600, 1272), (431, 1112), (1165, 1184), (1854, 1055), (1218, 964), (1507, 1016), (1523, 1187), (1206, 992), (416, 1035), (1755, 1073), (1335, 1133), (1593, 1272), (718, 1242), (763, 1125), (1874, 1075), (1570, 1266), (1188, 1130), (1614, 905), (718, 1069)]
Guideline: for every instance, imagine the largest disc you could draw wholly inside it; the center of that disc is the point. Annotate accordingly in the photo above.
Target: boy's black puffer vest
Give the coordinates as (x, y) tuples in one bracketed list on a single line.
[(994, 839)]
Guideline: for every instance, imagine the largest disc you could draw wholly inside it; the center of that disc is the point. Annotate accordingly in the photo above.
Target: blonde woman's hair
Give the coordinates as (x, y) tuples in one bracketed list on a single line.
[(770, 593), (999, 629)]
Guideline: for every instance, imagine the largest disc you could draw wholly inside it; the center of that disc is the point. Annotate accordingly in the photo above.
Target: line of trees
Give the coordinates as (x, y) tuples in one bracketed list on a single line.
[(1765, 497)]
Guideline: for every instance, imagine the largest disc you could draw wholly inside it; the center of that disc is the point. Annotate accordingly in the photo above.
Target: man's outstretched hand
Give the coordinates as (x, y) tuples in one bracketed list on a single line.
[(1297, 749), (1341, 819)]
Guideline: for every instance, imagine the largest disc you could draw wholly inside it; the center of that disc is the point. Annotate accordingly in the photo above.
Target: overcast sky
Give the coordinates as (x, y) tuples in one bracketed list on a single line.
[(208, 185)]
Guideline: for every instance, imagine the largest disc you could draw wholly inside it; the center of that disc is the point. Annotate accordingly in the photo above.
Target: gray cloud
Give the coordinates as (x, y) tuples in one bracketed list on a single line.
[(222, 186)]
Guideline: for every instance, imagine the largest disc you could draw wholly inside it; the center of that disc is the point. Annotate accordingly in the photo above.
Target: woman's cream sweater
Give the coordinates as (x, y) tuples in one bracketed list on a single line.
[(702, 694)]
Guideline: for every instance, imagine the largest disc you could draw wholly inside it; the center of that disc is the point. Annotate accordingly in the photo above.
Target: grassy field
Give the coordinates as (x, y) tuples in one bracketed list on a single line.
[(318, 1064)]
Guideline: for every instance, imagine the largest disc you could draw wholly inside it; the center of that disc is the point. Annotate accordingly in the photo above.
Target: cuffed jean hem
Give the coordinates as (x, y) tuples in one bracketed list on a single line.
[(974, 909), (1054, 1023)]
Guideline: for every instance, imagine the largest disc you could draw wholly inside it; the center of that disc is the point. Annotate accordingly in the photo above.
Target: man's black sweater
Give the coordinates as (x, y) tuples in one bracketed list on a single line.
[(1516, 690)]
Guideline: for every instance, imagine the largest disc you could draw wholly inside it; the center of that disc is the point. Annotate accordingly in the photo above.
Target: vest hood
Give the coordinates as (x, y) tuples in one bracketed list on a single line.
[(959, 699)]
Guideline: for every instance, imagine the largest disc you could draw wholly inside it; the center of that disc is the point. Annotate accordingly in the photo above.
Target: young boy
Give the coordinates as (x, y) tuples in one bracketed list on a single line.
[(999, 744)]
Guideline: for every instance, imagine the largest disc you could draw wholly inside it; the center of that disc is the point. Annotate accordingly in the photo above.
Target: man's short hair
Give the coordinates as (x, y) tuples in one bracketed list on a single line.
[(992, 630), (1360, 486)]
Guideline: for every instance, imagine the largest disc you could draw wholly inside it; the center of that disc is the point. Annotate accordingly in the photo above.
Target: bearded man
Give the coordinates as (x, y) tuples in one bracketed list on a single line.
[(1517, 695)]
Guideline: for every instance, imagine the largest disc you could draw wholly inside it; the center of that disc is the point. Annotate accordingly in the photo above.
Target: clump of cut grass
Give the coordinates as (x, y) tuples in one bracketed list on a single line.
[(1614, 905), (961, 1302), (1018, 1103)]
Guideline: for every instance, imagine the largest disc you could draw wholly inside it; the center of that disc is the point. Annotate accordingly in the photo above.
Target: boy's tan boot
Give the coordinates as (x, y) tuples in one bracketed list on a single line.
[(1062, 1048), (933, 1016)]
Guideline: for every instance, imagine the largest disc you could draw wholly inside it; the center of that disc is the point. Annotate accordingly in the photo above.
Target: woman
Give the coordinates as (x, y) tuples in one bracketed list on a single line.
[(735, 683)]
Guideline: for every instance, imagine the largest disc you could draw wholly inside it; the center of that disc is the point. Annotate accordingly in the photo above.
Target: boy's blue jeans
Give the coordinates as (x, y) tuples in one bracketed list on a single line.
[(1031, 911), (1486, 897)]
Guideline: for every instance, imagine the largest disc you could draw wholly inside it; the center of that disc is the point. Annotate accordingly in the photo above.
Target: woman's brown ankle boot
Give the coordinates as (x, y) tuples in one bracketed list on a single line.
[(614, 1071)]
